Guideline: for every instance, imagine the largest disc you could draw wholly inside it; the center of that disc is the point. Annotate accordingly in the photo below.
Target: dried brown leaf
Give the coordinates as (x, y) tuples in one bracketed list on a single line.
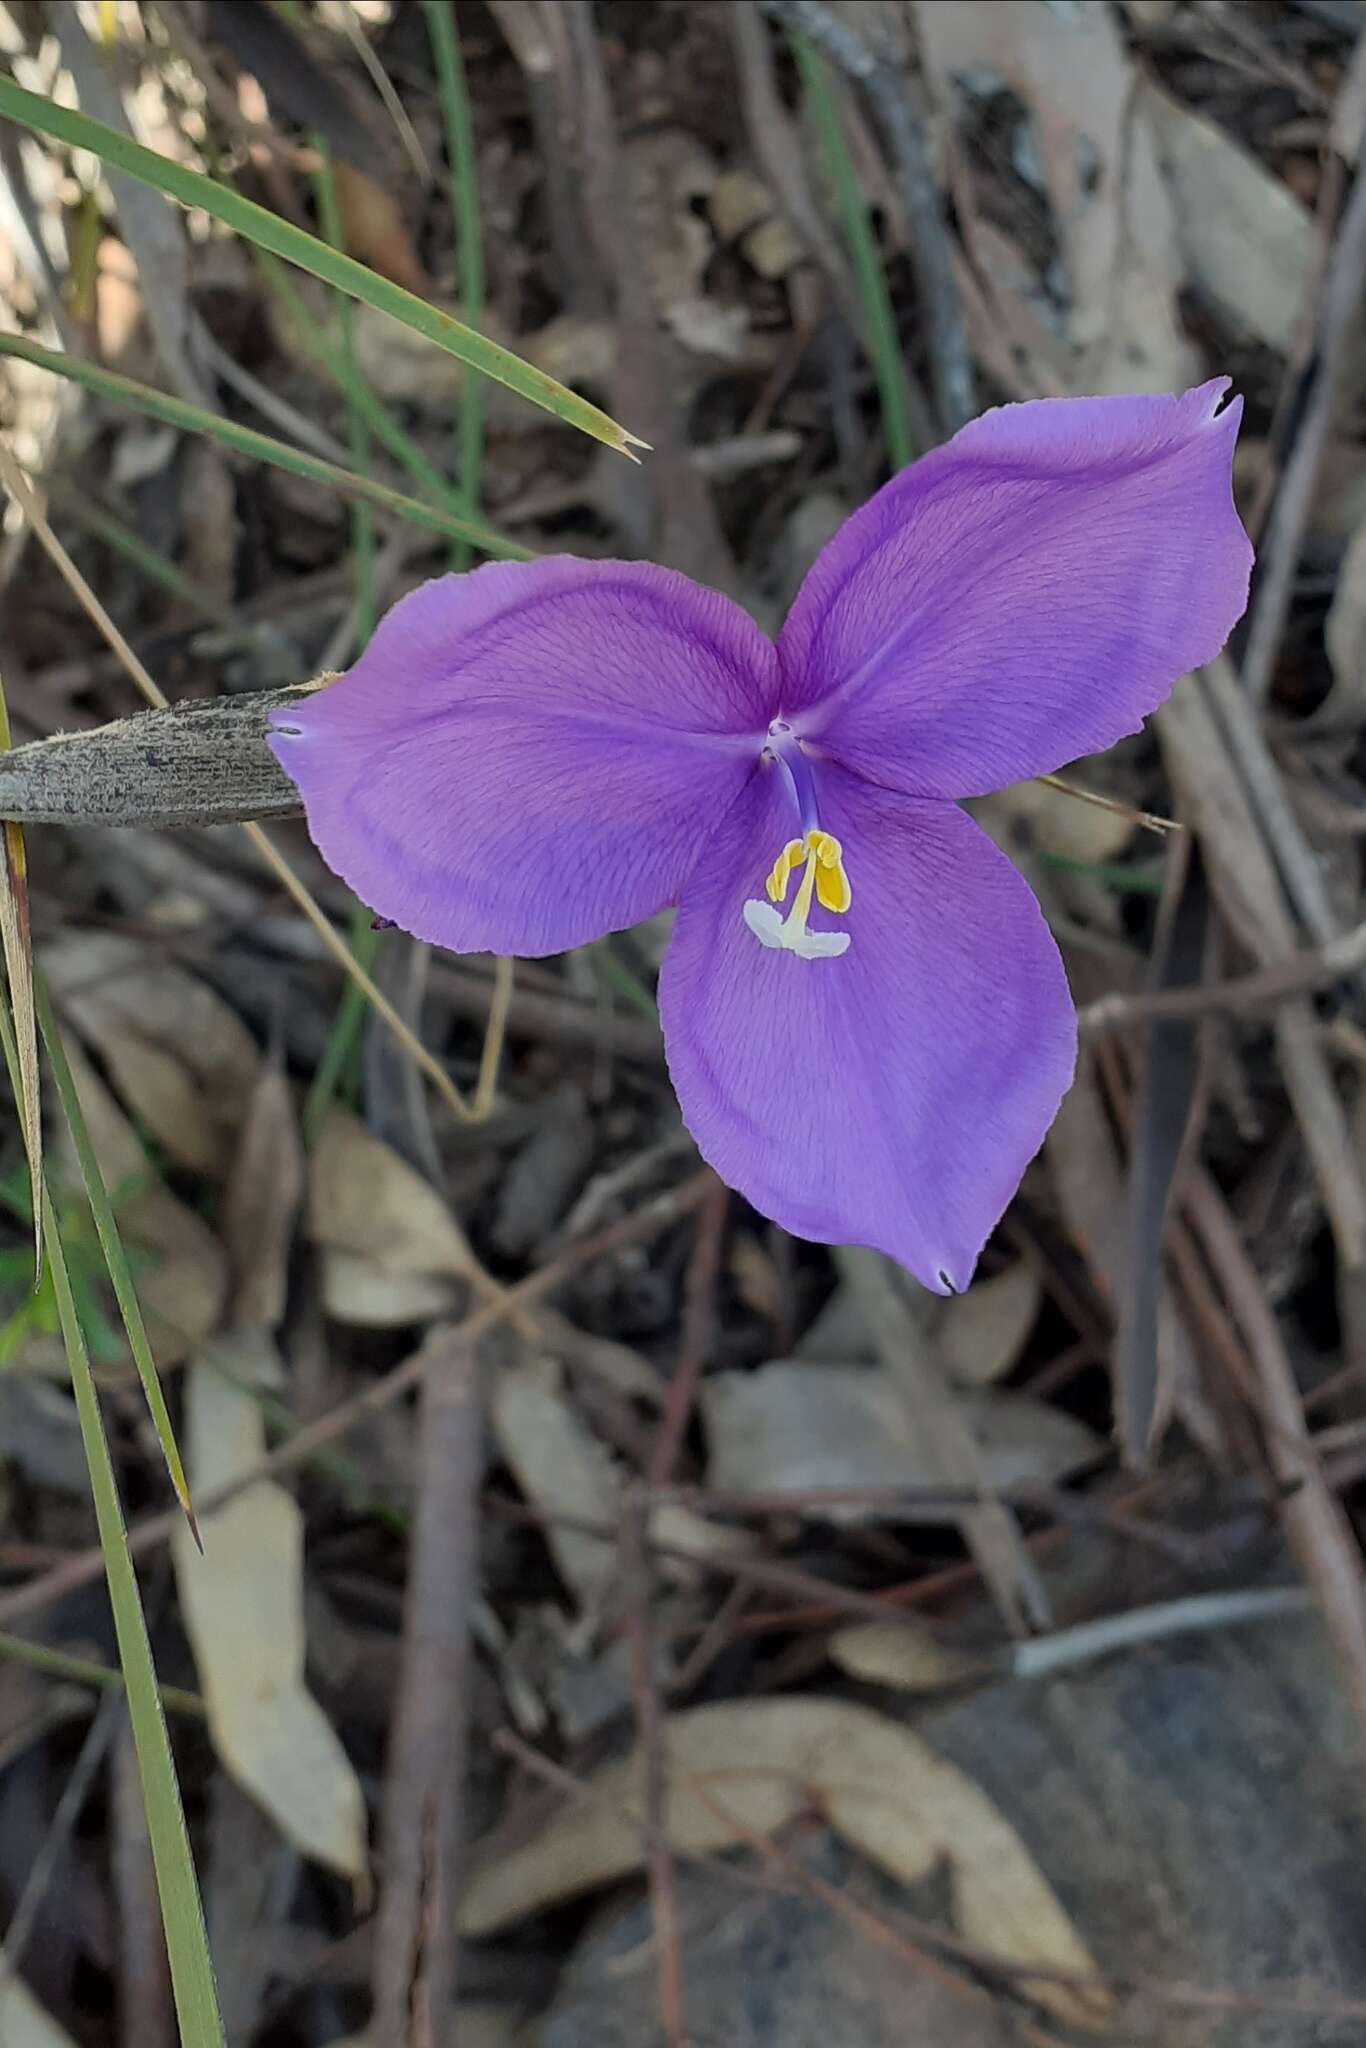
[(746, 1767), (243, 1606), (981, 1333), (1111, 211), (178, 1263), (799, 1428), (1250, 245), (182, 1060), (907, 1658), (23, 2022), (375, 228), (364, 1199), (373, 1297), (563, 1469), (261, 1202)]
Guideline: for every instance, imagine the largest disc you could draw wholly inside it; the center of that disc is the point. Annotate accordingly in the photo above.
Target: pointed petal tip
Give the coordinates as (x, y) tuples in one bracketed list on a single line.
[(895, 1098), (1101, 544)]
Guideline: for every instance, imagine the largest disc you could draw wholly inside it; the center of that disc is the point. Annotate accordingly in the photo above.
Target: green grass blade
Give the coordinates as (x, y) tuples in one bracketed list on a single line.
[(187, 1942), (115, 1258), (358, 441), (378, 418), (84, 1671), (192, 419), (344, 1037), (879, 325), (269, 231), (455, 111)]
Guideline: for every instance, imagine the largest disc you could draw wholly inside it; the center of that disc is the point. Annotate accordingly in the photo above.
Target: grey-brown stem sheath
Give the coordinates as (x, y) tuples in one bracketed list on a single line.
[(201, 763)]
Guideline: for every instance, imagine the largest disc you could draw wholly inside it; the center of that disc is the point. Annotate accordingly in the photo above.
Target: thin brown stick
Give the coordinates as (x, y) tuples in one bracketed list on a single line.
[(990, 1530), (1316, 1525), (699, 1302), (1281, 548), (654, 1819), (780, 1876), (919, 1947), (56, 1839), (1147, 821), (760, 1571), (553, 1014), (504, 980), (423, 1824), (88, 1565), (1238, 847), (1316, 967), (894, 97), (712, 1636), (1299, 866)]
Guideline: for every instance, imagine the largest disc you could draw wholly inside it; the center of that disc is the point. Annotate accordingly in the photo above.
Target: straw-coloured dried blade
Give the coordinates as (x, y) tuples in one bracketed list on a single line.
[(18, 946)]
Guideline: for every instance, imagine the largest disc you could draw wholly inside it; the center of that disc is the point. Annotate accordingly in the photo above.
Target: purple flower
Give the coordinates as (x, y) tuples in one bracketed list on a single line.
[(866, 1018)]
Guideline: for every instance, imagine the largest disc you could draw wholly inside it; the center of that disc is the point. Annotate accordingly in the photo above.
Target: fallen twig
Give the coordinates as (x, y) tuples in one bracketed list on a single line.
[(422, 1832), (1317, 967), (1280, 552), (699, 1305), (893, 96), (654, 1819), (1316, 1525)]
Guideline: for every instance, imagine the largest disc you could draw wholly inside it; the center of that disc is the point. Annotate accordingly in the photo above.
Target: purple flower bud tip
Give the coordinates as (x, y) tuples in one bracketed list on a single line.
[(865, 1015)]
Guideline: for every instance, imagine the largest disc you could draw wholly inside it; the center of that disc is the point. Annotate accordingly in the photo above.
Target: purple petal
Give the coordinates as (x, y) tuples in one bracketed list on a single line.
[(1024, 595), (892, 1096), (532, 755)]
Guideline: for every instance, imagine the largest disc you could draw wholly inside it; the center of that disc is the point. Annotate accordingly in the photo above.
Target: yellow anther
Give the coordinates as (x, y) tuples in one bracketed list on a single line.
[(790, 857), (832, 883), (832, 886), (821, 857)]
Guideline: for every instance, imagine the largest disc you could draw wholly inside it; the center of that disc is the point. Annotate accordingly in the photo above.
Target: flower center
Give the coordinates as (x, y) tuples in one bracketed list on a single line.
[(819, 855)]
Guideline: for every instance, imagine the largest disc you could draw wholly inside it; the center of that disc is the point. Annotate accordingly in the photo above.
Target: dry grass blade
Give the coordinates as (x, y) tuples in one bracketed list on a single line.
[(18, 945), (1148, 820)]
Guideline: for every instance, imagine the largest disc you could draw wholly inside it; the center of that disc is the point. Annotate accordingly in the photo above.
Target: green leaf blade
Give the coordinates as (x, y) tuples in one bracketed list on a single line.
[(269, 231), (187, 1941), (258, 447)]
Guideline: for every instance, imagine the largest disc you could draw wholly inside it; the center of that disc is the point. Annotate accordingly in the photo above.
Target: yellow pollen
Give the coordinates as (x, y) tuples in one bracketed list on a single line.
[(824, 879)]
